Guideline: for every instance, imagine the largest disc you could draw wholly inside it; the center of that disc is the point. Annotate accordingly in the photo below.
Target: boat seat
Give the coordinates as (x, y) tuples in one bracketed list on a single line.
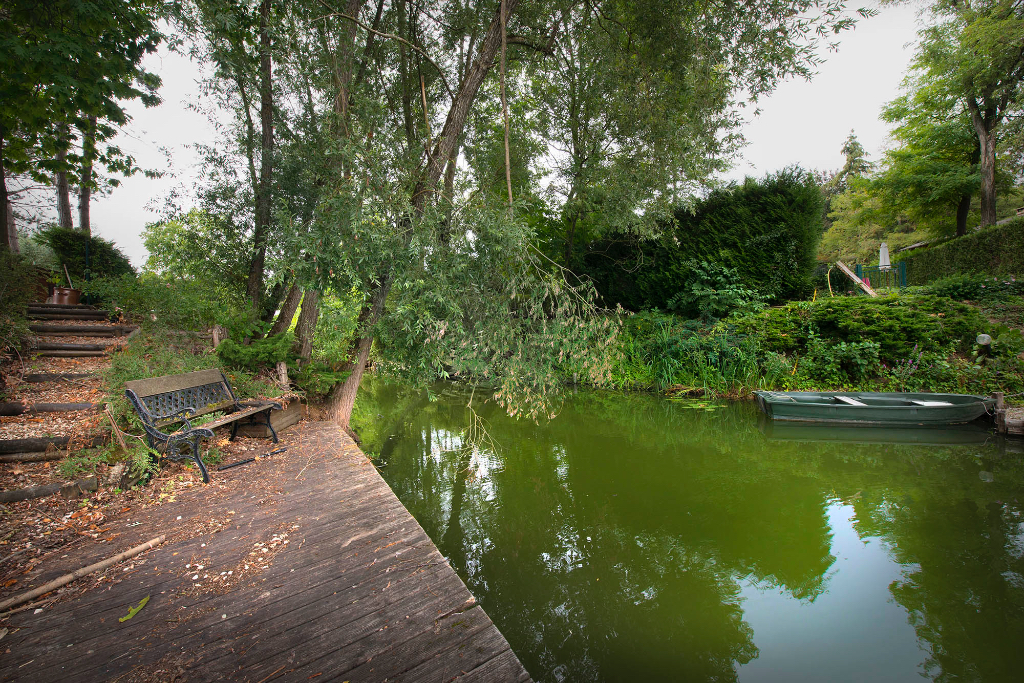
[(850, 401), (930, 404)]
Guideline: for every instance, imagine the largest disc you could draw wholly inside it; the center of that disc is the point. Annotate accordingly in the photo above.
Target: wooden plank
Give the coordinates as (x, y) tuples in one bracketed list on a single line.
[(853, 276), (280, 419)]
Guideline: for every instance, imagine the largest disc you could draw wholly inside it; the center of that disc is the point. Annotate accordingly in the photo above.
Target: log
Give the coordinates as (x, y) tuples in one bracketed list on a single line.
[(70, 354), (57, 346), (41, 304), (65, 316), (79, 573), (38, 456), (80, 330), (37, 377), (41, 443), (19, 407), (80, 486)]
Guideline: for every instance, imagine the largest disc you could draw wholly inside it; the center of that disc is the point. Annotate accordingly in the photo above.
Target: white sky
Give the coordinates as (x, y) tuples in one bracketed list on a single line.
[(802, 123)]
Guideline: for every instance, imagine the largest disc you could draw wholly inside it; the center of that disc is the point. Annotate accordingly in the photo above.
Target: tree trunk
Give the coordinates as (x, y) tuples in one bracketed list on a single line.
[(63, 195), (8, 235), (264, 200), (271, 301), (287, 314), (306, 327), (85, 181), (962, 209), (343, 397), (983, 127)]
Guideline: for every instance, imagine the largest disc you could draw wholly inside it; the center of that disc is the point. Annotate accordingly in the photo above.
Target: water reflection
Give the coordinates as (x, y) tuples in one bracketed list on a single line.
[(632, 539)]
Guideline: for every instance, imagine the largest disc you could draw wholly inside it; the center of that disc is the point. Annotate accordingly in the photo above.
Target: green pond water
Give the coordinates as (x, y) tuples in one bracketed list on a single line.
[(635, 538)]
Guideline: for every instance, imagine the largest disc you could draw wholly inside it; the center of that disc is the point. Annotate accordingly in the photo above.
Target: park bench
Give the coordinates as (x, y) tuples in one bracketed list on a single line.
[(173, 399)]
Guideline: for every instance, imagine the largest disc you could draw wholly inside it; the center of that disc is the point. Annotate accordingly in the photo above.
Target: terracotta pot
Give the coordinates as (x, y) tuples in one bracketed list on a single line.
[(66, 295)]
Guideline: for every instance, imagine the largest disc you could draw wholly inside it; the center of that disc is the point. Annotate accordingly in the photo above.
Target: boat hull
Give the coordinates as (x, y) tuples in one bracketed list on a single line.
[(875, 409)]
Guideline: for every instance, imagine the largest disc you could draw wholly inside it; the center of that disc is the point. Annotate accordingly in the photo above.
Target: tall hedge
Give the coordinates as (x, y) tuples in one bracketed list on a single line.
[(767, 229), (998, 250)]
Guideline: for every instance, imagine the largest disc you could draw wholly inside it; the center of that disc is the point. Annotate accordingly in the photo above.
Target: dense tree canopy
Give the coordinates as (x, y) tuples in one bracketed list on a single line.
[(70, 65)]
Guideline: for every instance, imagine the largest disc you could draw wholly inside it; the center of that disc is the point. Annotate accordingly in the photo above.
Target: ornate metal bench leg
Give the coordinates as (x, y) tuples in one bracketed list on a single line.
[(273, 432), (234, 430), (199, 462)]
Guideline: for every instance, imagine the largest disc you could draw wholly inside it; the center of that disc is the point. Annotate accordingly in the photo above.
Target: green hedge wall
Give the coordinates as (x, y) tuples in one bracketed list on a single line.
[(766, 229), (998, 250)]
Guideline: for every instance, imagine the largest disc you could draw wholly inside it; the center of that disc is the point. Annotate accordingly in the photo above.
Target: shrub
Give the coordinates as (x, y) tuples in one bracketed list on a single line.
[(998, 250), (975, 287), (258, 352), (895, 323), (712, 292), (155, 300), (85, 257), (766, 230), (17, 287)]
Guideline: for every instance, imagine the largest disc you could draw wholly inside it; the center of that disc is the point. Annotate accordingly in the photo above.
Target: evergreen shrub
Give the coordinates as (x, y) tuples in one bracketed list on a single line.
[(75, 249), (998, 250), (766, 230), (896, 323)]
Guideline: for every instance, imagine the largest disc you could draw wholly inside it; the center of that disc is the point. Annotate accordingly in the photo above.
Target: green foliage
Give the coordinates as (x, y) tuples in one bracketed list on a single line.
[(1007, 342), (156, 301), (85, 257), (198, 246), (838, 363), (895, 323), (317, 380), (712, 292), (998, 251), (247, 348), (975, 287), (66, 62), (18, 282), (766, 230)]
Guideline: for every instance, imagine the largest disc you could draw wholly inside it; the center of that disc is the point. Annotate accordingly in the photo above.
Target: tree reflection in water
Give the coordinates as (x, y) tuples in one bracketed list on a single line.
[(612, 542)]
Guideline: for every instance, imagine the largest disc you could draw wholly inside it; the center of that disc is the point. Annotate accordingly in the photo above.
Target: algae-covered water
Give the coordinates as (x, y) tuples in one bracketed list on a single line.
[(635, 538)]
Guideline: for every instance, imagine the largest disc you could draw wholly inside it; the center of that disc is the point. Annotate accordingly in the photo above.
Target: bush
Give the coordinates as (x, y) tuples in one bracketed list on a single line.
[(17, 288), (260, 352), (712, 292), (895, 323), (975, 287), (154, 300), (766, 230), (85, 257), (998, 251)]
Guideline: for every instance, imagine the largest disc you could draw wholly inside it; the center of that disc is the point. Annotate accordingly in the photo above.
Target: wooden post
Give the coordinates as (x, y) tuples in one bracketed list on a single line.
[(1000, 411)]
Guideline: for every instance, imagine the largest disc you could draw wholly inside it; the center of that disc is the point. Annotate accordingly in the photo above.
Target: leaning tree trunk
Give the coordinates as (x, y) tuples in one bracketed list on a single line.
[(342, 397), (287, 313), (306, 327)]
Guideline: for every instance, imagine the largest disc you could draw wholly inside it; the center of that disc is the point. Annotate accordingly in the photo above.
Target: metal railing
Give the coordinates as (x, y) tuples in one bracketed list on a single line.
[(894, 277)]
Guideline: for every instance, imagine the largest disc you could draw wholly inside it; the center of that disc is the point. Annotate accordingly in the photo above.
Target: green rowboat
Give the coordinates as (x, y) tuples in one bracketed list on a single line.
[(860, 408)]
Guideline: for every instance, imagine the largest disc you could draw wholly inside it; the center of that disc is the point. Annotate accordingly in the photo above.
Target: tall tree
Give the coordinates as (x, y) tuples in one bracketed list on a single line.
[(62, 62), (975, 51)]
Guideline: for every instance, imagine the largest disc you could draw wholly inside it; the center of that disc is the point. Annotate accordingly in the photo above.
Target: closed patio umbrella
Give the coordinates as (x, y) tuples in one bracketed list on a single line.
[(883, 257)]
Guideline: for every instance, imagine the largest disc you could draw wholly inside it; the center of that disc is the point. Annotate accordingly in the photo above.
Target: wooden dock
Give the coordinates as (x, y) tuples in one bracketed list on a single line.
[(300, 567)]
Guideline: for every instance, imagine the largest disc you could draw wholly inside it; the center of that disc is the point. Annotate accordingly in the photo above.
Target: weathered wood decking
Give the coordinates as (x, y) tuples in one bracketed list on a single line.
[(311, 569)]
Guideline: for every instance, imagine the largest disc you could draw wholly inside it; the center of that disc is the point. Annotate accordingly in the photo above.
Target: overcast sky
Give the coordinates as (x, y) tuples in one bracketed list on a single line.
[(802, 123)]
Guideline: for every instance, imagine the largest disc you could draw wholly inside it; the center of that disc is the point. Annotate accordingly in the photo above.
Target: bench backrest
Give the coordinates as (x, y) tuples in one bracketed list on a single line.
[(205, 391)]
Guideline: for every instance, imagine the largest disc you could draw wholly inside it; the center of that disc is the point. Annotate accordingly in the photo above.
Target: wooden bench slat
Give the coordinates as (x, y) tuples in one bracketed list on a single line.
[(231, 417)]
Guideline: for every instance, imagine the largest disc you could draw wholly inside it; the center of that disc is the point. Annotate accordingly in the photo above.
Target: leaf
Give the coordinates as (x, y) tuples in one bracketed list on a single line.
[(132, 611)]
